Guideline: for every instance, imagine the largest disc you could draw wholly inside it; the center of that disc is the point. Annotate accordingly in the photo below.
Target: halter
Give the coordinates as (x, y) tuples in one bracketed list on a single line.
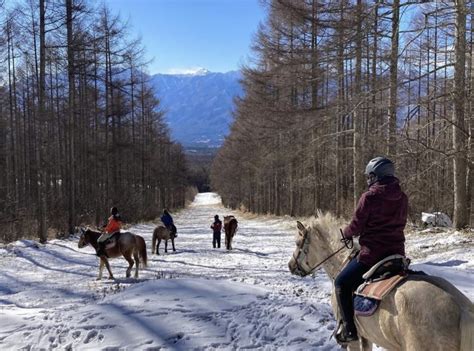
[(303, 251)]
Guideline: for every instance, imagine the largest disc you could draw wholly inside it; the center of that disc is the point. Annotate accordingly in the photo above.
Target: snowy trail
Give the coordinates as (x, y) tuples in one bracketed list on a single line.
[(197, 298)]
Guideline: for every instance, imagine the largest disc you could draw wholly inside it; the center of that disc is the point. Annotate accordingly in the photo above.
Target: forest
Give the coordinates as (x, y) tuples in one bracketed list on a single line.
[(331, 85), (81, 128)]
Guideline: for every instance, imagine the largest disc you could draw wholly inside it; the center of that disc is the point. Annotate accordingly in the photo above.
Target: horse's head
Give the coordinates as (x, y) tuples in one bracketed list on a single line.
[(319, 245), (84, 238), (298, 263)]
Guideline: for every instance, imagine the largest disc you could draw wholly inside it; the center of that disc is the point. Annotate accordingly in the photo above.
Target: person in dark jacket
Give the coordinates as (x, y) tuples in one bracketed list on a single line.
[(216, 229), (378, 221), (167, 220)]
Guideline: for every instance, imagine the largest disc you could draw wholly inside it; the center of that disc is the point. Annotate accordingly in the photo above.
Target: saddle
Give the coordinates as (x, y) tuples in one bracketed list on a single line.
[(381, 279), (112, 240)]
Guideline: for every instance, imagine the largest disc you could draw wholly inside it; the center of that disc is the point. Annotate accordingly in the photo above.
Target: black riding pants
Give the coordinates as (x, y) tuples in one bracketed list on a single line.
[(345, 284), (216, 240)]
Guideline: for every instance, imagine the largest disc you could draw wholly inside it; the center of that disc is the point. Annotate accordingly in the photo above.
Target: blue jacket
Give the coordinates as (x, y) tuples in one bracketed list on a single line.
[(167, 220)]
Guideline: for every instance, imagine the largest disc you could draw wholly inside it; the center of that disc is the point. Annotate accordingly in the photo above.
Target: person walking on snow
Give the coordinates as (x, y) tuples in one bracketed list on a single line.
[(167, 220), (379, 221), (216, 236), (114, 224)]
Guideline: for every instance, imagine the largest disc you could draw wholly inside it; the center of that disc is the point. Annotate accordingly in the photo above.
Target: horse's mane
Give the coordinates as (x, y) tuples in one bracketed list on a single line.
[(327, 225), (93, 232)]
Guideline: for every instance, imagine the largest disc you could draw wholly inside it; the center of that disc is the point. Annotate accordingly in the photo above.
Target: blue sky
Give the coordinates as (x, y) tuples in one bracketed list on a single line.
[(183, 35)]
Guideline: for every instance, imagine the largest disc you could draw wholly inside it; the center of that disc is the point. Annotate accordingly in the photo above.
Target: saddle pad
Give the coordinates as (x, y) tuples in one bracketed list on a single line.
[(378, 289), (365, 306)]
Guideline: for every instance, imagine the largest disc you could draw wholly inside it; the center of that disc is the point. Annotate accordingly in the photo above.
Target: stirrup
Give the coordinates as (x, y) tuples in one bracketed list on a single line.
[(102, 252), (345, 337)]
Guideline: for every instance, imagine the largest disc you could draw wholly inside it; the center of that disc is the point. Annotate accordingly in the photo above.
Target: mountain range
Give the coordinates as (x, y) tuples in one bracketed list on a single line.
[(199, 105)]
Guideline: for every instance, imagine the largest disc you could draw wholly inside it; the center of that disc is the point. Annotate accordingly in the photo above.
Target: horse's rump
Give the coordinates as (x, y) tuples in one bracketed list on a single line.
[(162, 233), (141, 248), (230, 225)]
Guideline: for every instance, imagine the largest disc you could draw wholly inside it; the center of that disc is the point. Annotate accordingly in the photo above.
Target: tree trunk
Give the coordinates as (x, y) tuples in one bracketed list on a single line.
[(392, 109), (459, 129), (71, 157), (42, 227), (358, 156)]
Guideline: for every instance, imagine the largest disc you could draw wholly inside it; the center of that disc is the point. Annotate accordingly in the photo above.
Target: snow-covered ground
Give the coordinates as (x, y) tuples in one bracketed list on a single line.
[(197, 298)]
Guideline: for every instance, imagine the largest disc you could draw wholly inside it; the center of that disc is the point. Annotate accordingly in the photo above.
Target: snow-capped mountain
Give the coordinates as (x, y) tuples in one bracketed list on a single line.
[(198, 104)]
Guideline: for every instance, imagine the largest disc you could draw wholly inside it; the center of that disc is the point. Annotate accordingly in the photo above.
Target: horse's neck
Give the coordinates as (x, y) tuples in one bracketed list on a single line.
[(94, 237), (334, 264)]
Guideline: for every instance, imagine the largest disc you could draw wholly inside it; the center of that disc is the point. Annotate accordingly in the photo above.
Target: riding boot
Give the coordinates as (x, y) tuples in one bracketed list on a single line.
[(348, 331), (101, 250)]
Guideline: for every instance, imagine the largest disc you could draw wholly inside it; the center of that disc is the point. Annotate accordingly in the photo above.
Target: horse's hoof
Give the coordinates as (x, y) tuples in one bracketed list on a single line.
[(98, 278)]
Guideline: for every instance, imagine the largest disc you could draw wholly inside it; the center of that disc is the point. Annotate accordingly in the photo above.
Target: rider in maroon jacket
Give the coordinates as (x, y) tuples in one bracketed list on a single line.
[(378, 220)]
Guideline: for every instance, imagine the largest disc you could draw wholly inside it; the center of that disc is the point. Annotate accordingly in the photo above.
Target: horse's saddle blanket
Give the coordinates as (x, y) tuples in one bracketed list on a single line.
[(365, 306), (368, 295), (379, 289)]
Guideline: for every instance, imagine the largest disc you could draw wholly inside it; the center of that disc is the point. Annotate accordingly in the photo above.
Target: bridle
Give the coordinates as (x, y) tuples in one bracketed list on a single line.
[(303, 253)]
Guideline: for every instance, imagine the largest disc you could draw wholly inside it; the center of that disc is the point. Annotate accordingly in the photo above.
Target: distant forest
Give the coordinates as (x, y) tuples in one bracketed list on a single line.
[(334, 84), (81, 128)]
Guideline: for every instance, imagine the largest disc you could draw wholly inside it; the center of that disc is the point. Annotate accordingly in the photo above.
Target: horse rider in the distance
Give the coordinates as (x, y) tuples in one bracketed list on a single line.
[(113, 226)]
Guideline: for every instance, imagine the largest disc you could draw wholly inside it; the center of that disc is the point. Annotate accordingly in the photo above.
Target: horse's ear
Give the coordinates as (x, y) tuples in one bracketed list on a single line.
[(301, 227), (83, 230)]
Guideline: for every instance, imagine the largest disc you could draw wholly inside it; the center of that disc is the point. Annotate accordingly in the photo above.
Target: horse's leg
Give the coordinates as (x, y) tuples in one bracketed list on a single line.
[(366, 345), (128, 257), (107, 265), (355, 346), (101, 268), (166, 246), (172, 242), (158, 247)]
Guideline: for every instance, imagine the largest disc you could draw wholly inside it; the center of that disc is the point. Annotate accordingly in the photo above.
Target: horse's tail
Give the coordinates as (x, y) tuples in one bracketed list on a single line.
[(153, 242), (467, 329), (234, 226), (142, 250)]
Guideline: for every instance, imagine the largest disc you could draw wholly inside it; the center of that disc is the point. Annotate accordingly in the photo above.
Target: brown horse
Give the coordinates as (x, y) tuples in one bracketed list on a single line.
[(161, 233), (230, 228), (127, 245)]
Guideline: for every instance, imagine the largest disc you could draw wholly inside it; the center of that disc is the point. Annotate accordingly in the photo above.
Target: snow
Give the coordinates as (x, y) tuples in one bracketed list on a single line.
[(197, 298), (193, 71), (436, 219)]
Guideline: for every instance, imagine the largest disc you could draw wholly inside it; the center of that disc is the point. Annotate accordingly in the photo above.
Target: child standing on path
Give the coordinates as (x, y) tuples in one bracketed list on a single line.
[(216, 228)]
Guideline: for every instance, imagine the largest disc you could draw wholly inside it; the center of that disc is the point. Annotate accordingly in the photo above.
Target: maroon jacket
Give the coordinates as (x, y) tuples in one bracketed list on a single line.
[(379, 219)]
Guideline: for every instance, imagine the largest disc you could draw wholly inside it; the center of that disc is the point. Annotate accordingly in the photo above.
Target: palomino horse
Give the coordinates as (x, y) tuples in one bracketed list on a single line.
[(230, 228), (161, 233), (421, 313), (127, 245)]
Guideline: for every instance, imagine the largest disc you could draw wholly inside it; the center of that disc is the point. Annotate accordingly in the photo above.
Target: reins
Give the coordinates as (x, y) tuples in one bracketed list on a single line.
[(348, 244), (312, 269)]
